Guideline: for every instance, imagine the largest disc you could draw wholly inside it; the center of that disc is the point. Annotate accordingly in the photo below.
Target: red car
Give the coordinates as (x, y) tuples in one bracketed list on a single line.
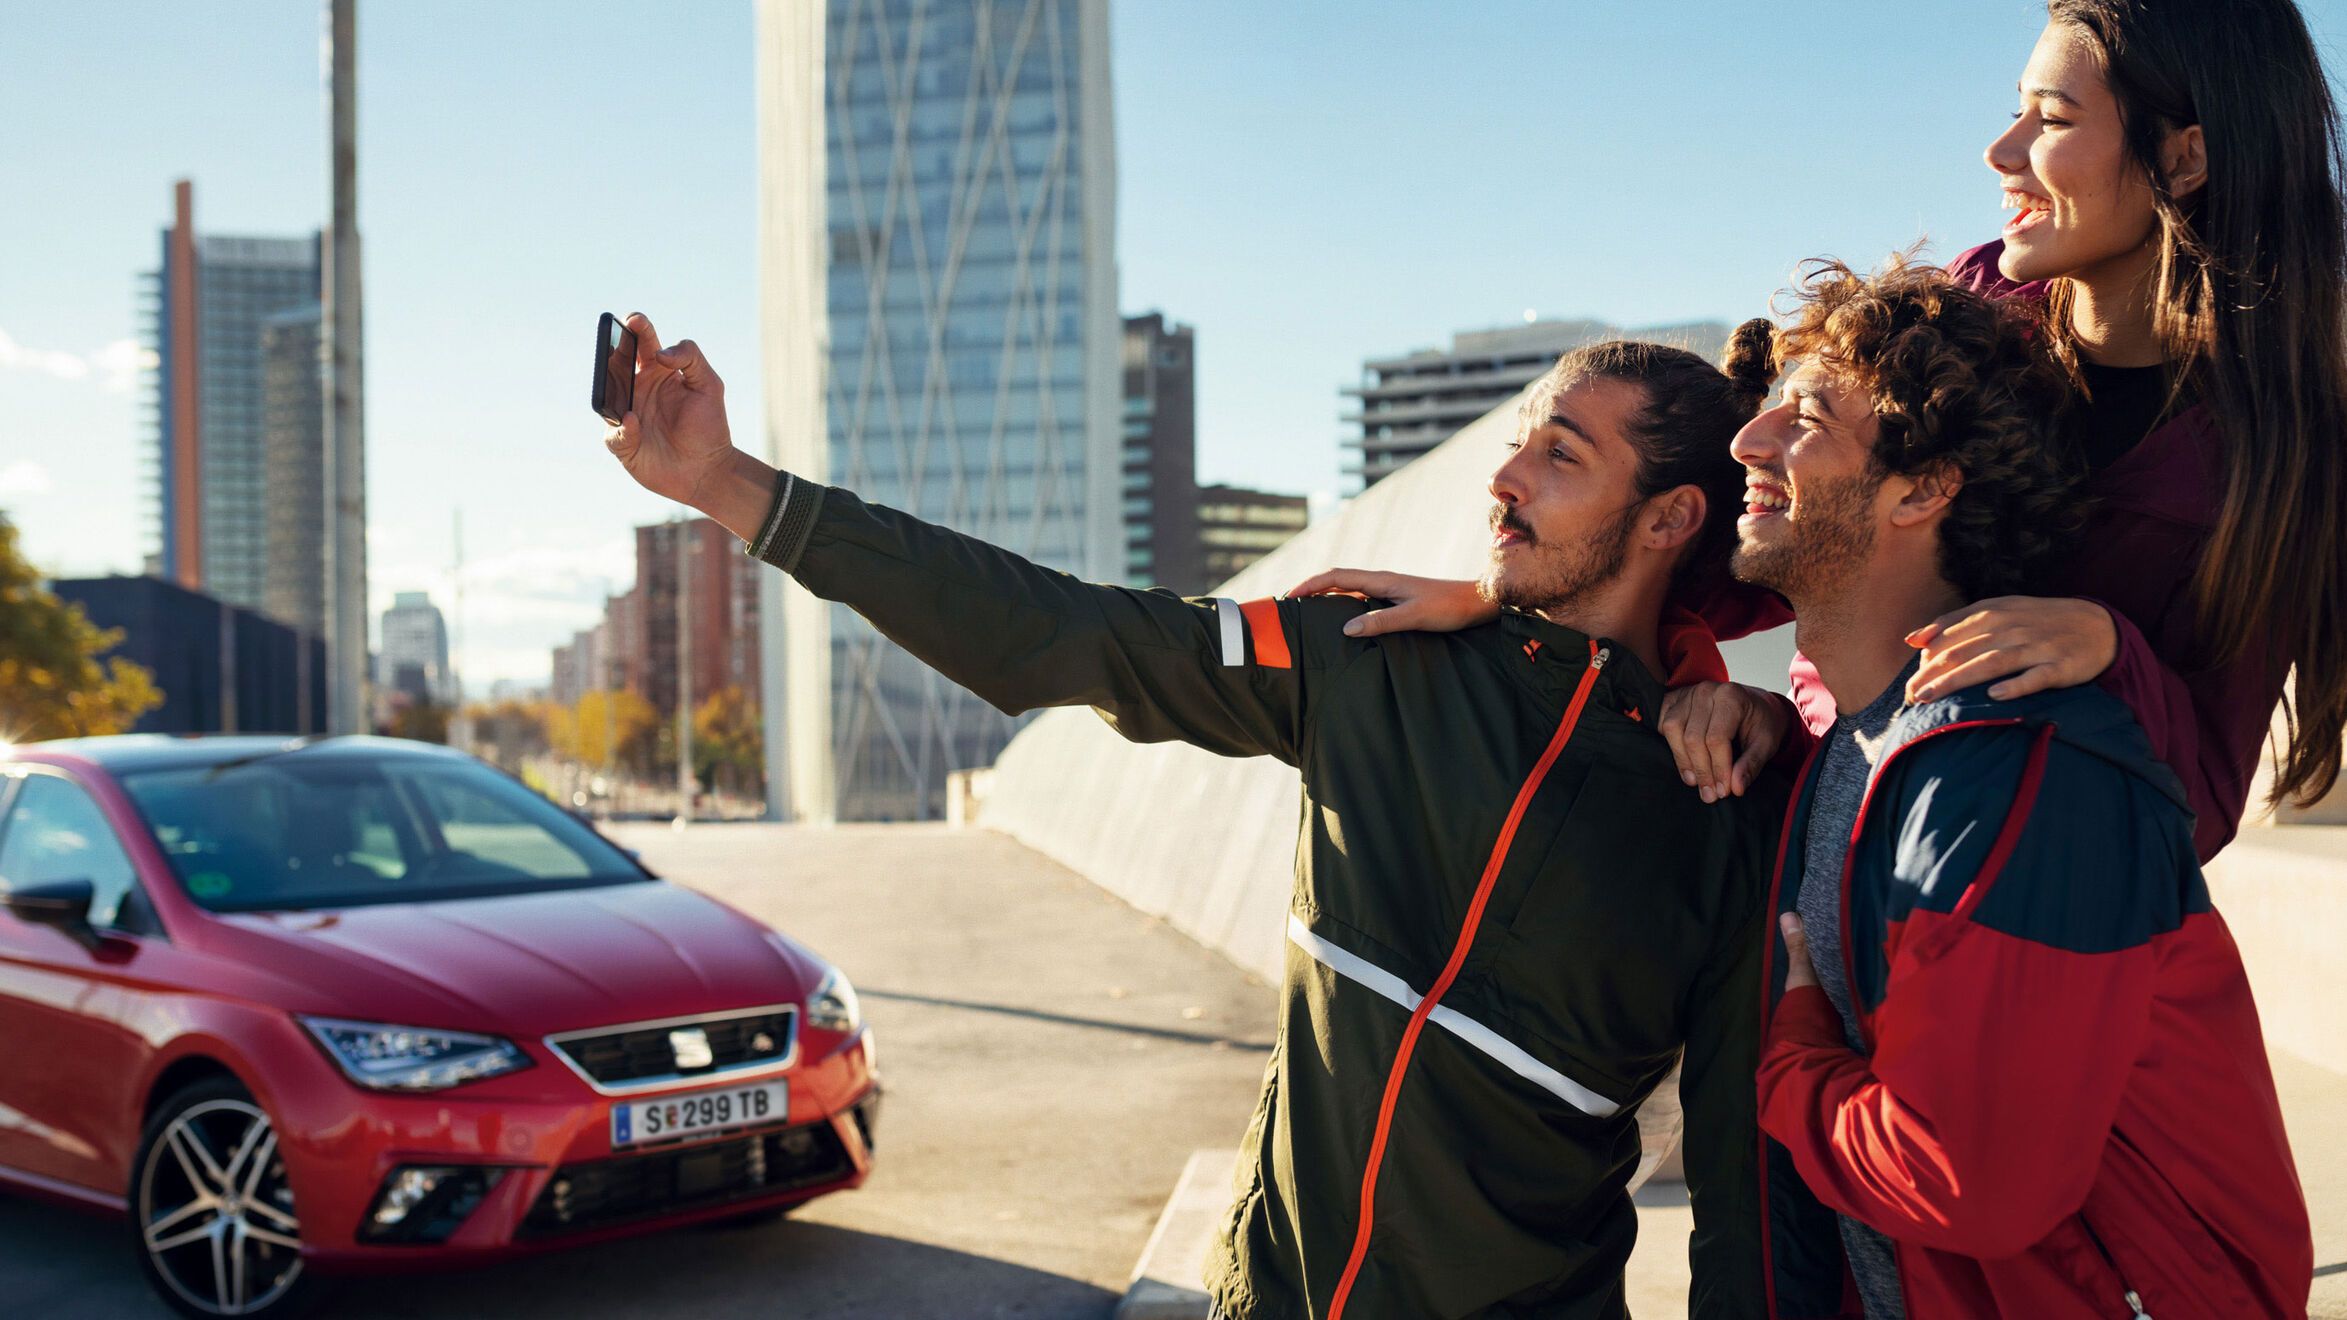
[(300, 1008)]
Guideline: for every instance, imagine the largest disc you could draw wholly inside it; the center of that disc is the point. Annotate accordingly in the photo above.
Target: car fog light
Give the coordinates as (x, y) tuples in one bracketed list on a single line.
[(427, 1203), (407, 1187)]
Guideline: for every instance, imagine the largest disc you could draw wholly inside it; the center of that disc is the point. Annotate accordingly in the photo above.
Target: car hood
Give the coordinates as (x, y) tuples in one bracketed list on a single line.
[(525, 965)]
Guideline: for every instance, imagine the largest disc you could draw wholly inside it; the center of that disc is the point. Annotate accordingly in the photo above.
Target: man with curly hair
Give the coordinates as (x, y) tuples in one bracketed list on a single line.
[(2014, 1055)]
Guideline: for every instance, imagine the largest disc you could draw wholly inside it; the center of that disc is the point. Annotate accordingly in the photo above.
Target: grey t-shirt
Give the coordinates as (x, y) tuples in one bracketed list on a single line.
[(1853, 747)]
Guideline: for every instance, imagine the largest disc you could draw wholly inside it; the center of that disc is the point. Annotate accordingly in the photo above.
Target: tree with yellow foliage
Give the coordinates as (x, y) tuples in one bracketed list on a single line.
[(614, 728), (52, 684), (728, 744)]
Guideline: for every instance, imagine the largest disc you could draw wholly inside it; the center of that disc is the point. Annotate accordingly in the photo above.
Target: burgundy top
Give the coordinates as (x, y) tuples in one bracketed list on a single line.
[(2154, 507)]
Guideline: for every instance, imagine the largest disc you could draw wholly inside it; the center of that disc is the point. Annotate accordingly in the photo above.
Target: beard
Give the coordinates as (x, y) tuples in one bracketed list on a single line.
[(1545, 578), (1820, 551)]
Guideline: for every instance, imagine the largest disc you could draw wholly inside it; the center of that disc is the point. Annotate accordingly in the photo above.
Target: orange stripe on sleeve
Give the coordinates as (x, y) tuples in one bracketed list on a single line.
[(1271, 643)]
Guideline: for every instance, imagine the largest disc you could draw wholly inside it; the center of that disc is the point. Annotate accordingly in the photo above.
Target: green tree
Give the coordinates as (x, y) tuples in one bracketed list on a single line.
[(52, 682), (728, 743)]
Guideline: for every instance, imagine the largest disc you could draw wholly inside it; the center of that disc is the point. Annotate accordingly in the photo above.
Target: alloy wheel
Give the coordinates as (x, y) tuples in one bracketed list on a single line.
[(216, 1214)]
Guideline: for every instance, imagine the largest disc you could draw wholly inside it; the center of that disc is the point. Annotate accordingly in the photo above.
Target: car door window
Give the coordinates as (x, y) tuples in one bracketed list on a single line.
[(55, 831)]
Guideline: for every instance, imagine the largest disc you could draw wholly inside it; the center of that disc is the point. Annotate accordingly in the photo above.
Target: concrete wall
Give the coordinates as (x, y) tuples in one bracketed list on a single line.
[(2283, 892)]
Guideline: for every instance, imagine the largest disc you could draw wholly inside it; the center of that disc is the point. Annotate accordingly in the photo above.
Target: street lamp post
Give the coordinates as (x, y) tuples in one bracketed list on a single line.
[(684, 671), (346, 489)]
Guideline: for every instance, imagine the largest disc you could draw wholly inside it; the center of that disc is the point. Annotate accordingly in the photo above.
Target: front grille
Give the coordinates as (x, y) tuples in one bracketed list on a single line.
[(601, 1193), (646, 1053)]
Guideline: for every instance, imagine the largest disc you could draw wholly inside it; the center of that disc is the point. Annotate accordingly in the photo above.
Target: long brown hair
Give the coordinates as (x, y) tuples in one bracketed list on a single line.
[(2251, 283)]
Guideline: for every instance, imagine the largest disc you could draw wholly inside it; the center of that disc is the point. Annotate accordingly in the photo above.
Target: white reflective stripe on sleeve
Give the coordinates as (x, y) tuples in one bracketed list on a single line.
[(1234, 631), (1370, 976)]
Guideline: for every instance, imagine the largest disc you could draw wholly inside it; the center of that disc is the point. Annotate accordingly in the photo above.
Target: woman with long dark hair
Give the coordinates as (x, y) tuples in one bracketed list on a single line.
[(2177, 174)]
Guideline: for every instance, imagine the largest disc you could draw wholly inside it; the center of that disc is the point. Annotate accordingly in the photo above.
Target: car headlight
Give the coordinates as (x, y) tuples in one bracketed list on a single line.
[(388, 1058), (833, 1006)]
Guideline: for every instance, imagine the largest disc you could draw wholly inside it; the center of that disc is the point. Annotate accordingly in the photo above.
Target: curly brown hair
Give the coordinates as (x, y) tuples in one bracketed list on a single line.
[(1961, 383)]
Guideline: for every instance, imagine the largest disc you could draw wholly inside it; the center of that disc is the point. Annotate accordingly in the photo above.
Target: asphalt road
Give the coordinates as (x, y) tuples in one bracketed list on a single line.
[(1052, 1057)]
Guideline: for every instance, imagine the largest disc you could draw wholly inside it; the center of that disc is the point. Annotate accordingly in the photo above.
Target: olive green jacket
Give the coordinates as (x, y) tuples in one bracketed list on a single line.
[(1510, 918)]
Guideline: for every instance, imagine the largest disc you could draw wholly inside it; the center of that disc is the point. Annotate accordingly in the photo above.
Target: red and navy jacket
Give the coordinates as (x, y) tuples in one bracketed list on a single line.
[(2064, 1107)]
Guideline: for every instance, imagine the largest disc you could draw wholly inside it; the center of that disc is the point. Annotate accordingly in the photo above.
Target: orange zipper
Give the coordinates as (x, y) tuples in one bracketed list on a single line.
[(1450, 973)]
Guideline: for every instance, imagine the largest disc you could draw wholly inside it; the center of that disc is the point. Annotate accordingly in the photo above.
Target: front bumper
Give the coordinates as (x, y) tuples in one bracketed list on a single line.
[(563, 1184), (757, 1168)]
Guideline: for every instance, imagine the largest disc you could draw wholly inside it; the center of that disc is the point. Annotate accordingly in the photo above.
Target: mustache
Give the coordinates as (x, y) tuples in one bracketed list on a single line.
[(1503, 517)]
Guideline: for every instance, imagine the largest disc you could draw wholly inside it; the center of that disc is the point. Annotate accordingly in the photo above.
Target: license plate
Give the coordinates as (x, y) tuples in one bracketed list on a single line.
[(635, 1122)]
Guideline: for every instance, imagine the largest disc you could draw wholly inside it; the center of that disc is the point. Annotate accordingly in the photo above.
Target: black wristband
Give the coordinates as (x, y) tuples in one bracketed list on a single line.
[(756, 549), (782, 538)]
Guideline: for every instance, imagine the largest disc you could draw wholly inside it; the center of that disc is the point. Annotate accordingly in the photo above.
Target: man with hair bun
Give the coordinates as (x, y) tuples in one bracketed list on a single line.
[(2014, 1067), (1510, 921)]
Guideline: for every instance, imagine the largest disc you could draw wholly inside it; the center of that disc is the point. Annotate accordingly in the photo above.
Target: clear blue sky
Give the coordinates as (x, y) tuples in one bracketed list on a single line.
[(1308, 184)]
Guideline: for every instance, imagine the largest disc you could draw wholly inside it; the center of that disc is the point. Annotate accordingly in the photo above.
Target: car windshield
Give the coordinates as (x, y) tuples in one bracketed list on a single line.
[(317, 831)]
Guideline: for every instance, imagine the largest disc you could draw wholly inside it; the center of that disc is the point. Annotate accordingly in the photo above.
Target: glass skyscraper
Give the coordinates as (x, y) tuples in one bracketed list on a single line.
[(941, 335), (209, 304)]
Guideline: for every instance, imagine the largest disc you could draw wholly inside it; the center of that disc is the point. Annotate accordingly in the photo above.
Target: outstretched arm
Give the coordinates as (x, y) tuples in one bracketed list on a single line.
[(1227, 677)]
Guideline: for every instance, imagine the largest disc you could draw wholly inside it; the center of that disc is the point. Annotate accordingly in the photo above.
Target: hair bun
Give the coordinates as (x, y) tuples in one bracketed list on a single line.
[(1751, 363)]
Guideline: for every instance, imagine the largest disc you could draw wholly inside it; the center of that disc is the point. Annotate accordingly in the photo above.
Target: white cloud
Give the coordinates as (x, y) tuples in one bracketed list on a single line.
[(520, 602), (24, 478), (48, 362), (529, 664), (117, 365)]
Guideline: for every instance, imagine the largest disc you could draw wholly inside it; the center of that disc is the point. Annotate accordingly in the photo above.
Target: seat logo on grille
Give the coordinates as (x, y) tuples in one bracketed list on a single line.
[(691, 1047)]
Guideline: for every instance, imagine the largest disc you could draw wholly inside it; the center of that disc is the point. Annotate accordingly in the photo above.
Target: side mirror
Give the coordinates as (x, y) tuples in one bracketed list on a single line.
[(64, 904)]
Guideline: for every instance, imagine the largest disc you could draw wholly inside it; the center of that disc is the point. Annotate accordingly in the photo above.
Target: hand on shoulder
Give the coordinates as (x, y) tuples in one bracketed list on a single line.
[(1418, 604)]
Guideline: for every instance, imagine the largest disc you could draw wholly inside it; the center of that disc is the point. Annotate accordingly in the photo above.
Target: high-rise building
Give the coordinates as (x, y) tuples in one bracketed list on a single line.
[(1237, 526), (635, 645), (415, 639), (623, 653), (1409, 404), (581, 667), (207, 305), (937, 230), (293, 452), (720, 612), (1159, 472)]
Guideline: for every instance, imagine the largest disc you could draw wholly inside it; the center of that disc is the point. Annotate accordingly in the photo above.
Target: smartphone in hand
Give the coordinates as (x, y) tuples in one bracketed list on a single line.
[(615, 369)]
